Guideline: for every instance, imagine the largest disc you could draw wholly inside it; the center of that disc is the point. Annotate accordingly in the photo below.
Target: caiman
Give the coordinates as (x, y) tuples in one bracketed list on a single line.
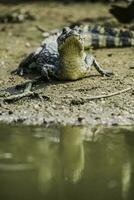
[(63, 57)]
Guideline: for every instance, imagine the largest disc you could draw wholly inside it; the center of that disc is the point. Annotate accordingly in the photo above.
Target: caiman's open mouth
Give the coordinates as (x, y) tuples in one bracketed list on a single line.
[(71, 43)]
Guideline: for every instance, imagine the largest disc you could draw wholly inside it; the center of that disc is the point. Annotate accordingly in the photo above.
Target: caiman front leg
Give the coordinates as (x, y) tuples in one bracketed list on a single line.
[(46, 73), (91, 61), (23, 67)]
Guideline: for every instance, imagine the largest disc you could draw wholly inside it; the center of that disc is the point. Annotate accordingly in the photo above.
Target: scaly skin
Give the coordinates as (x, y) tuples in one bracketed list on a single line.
[(62, 56), (98, 36), (106, 38), (64, 59)]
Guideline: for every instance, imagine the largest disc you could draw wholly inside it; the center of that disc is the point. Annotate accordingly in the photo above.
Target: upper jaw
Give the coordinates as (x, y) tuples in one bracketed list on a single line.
[(70, 33), (72, 41)]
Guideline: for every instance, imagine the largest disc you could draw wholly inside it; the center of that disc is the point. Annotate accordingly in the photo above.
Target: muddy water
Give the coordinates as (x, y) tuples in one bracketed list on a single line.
[(66, 163)]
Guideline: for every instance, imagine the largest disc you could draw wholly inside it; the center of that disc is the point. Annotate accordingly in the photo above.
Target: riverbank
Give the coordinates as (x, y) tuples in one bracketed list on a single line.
[(65, 102)]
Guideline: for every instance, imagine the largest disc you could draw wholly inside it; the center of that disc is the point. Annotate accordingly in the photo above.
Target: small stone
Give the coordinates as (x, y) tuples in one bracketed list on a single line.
[(28, 44), (80, 119), (96, 118), (103, 101), (36, 107), (10, 112), (53, 106), (109, 55), (2, 62), (46, 34), (69, 96)]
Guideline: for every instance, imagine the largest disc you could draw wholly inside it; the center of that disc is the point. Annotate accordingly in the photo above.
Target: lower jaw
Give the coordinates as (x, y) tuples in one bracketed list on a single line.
[(70, 66)]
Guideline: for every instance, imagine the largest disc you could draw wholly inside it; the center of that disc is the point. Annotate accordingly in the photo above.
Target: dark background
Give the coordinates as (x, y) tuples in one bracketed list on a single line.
[(66, 1)]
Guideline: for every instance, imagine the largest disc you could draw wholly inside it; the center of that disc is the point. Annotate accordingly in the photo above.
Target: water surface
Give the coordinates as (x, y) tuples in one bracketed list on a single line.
[(66, 163)]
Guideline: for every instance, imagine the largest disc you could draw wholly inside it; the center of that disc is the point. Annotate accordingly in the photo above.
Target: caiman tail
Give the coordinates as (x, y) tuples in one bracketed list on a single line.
[(108, 37), (106, 41)]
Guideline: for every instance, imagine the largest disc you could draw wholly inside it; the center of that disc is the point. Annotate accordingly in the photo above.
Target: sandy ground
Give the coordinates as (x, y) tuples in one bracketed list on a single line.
[(65, 102)]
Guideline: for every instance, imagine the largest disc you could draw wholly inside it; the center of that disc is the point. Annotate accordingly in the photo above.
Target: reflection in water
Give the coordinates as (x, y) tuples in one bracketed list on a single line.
[(72, 153), (126, 175), (66, 163)]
